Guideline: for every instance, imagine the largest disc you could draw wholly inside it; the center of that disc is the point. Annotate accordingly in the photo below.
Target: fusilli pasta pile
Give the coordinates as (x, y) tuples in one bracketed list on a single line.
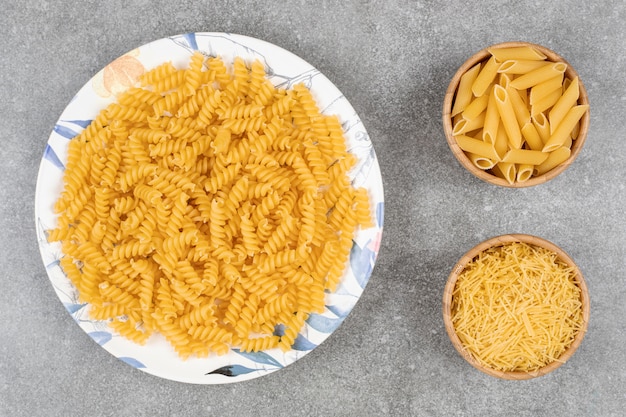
[(209, 206)]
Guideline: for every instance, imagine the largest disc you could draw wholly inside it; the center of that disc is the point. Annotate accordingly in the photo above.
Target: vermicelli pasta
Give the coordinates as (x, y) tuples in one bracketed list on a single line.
[(516, 307)]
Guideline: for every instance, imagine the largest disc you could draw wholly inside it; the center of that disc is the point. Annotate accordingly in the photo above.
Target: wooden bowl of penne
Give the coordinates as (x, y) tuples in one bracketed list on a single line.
[(516, 307), (516, 114)]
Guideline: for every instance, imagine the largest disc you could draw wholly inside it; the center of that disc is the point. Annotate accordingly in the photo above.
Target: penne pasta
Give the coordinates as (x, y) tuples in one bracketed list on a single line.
[(566, 83), (531, 136), (564, 129), (465, 126), (492, 120), (507, 116), (480, 161), (464, 91), (520, 66), (524, 172), (457, 118), (545, 103), (477, 147), (505, 170), (477, 134), (542, 126), (476, 107), (568, 142), (485, 77), (538, 75), (563, 104), (525, 156), (517, 53), (501, 144), (513, 110), (575, 131), (543, 89), (555, 158), (504, 80), (524, 96), (522, 115)]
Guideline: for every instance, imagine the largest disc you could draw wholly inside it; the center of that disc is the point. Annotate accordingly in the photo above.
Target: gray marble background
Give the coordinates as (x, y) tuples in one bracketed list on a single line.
[(393, 61)]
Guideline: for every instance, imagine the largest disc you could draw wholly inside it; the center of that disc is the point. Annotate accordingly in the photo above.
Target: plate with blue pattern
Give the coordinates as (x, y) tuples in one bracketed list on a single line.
[(157, 357)]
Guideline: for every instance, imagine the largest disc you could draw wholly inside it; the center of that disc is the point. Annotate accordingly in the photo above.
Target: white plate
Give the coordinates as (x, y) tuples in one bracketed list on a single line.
[(157, 357)]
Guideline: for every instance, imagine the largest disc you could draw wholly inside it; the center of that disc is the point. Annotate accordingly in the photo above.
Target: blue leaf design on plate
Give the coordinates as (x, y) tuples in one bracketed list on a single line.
[(231, 370), (191, 39), (53, 264), (101, 337), (66, 132), (361, 262), (81, 123), (343, 290), (132, 362), (279, 330), (340, 311), (380, 213), (51, 156), (259, 357), (73, 308), (323, 324), (303, 344)]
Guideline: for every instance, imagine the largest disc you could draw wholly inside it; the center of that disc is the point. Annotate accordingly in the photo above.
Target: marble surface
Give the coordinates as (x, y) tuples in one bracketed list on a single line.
[(393, 61)]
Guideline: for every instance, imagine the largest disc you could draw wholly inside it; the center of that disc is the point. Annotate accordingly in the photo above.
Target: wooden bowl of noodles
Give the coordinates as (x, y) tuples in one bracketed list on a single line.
[(516, 114), (516, 307)]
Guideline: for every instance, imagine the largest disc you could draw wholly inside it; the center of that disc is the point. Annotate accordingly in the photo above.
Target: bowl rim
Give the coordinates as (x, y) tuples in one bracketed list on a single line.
[(481, 55), (499, 241)]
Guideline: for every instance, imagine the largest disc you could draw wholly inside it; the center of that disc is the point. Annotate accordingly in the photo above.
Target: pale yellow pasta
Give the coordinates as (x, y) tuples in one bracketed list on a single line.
[(520, 66), (507, 116), (477, 147), (522, 115), (517, 53), (543, 127), (531, 136), (575, 131), (505, 170), (476, 107), (517, 101), (456, 119), (481, 161), (492, 120), (538, 75), (464, 91), (545, 103), (525, 157), (501, 145), (504, 80), (465, 126), (555, 158), (485, 77), (564, 104), (191, 214), (541, 90), (564, 129), (524, 172), (568, 142)]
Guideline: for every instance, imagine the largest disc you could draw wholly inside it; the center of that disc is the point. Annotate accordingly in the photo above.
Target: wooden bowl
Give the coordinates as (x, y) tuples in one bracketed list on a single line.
[(487, 176), (458, 269)]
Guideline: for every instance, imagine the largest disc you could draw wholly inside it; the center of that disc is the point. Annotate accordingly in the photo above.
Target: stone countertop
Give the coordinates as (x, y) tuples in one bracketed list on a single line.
[(393, 61)]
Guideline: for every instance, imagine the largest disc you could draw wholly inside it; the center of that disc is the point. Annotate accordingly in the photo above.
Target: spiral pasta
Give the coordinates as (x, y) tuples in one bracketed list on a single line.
[(209, 206)]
